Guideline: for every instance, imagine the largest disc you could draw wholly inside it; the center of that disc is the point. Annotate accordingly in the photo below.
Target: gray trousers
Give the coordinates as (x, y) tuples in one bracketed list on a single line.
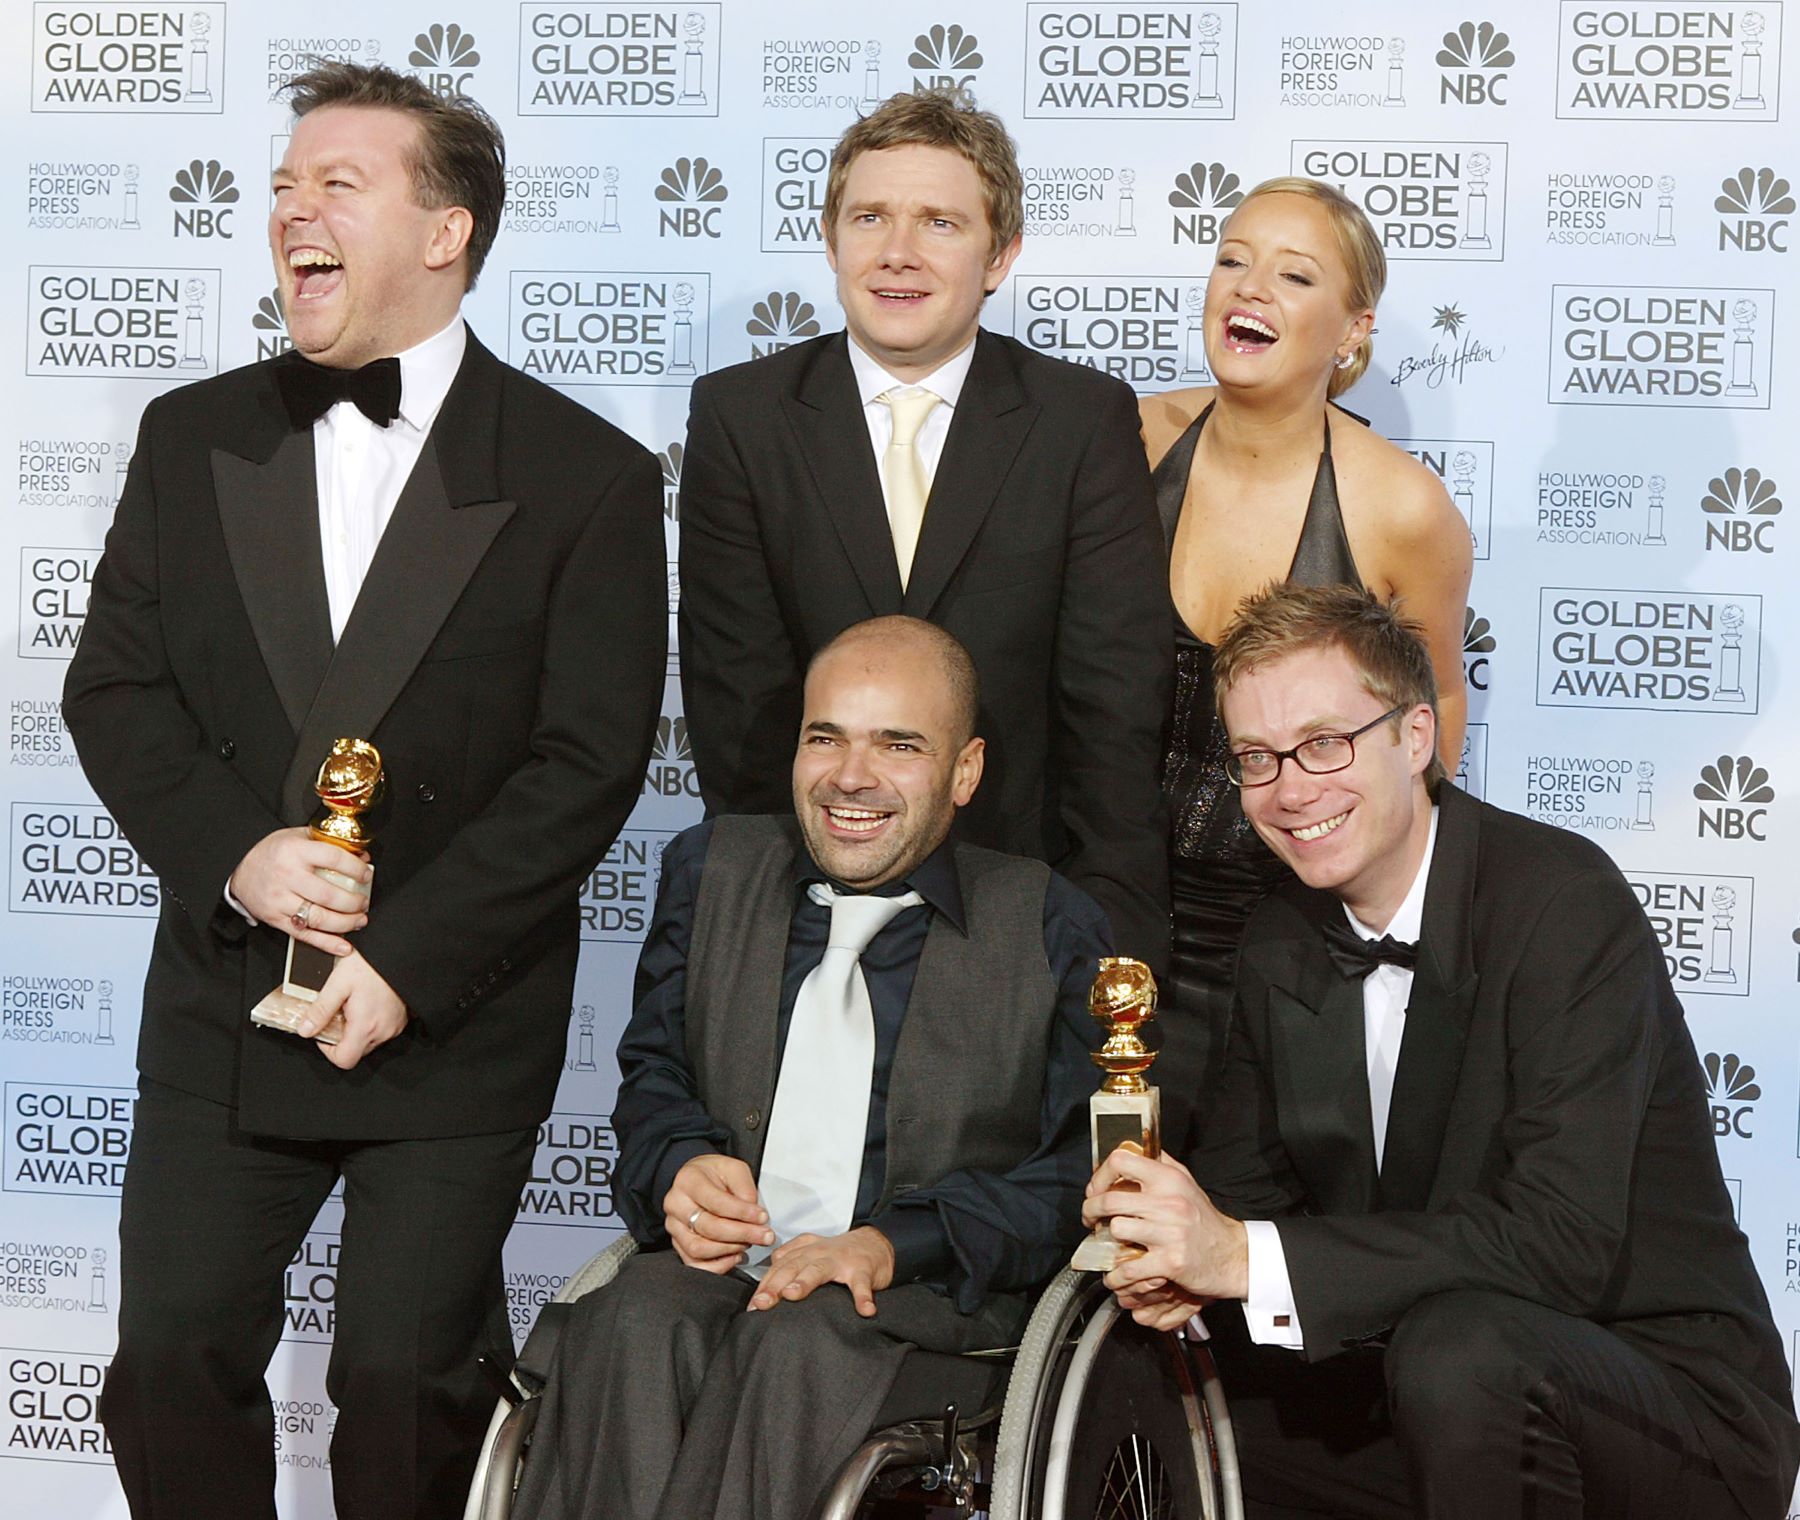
[(669, 1402)]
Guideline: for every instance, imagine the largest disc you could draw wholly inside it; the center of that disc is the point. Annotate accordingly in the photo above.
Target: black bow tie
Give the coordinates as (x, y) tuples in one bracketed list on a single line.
[(1356, 957), (310, 390)]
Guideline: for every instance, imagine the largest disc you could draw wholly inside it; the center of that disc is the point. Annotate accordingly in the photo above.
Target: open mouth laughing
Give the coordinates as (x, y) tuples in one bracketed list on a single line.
[(1247, 333), (854, 820), (316, 272)]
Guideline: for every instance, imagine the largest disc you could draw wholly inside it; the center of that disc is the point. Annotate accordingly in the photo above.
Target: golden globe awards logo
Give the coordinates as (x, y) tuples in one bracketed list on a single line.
[(1111, 62), (613, 59), (1426, 200), (53, 600), (794, 172), (61, 1138), (609, 328), (1645, 60), (1466, 467), (571, 1174), (1149, 332), (309, 1289), (72, 858), (1657, 345), (130, 59), (1658, 651), (113, 323), (1754, 206), (52, 1406), (1474, 58), (620, 892), (1702, 924)]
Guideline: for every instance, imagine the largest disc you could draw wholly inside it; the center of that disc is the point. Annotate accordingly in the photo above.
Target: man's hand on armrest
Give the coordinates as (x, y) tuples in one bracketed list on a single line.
[(712, 1213), (863, 1261), (278, 884)]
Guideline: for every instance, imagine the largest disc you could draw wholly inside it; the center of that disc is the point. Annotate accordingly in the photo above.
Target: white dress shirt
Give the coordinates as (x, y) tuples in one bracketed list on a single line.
[(945, 382), (1269, 1310), (362, 467)]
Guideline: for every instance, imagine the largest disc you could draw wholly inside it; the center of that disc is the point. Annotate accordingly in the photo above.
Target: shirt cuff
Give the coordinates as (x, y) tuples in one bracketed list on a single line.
[(920, 1241), (1269, 1311), (232, 903)]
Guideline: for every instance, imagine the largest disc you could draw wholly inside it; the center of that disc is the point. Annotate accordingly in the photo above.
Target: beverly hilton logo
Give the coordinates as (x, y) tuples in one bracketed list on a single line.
[(1453, 357), (613, 328), (204, 194), (443, 59), (1732, 1089), (1734, 796), (129, 59), (1131, 62), (1665, 651), (1655, 345), (1202, 195), (605, 58), (1148, 332), (695, 189), (780, 320), (1648, 60), (1754, 206), (1702, 924), (793, 193), (1474, 58), (1741, 507)]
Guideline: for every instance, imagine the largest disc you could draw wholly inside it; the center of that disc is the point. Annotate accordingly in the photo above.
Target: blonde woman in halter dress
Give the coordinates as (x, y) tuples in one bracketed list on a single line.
[(1260, 478)]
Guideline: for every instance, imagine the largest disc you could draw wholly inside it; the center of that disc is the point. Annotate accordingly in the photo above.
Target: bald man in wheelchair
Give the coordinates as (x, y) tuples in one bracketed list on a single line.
[(851, 1114)]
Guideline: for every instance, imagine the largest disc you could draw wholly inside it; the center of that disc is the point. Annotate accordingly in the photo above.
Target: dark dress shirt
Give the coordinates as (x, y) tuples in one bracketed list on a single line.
[(973, 1230)]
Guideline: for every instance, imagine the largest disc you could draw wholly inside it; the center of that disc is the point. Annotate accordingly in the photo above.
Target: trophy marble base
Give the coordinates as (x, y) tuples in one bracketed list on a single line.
[(1117, 1119), (282, 1010)]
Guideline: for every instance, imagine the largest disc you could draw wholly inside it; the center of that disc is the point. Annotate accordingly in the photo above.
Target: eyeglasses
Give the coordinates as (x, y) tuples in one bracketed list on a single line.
[(1318, 756)]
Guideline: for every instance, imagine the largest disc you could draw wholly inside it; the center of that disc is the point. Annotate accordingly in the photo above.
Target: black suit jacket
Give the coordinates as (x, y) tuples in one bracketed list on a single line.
[(1549, 1135), (506, 655), (1040, 550)]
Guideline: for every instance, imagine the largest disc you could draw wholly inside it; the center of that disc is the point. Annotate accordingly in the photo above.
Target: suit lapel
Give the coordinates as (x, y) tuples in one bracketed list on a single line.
[(1320, 1074), (989, 427), (268, 511), (827, 418), (441, 528), (1437, 1015)]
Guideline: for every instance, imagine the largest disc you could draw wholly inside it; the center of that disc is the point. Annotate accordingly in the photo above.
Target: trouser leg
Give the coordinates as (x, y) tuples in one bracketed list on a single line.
[(208, 1221), (1504, 1408), (420, 1296)]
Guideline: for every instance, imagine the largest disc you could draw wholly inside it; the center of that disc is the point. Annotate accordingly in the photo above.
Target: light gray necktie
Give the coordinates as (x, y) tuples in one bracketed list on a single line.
[(813, 1154), (903, 472)]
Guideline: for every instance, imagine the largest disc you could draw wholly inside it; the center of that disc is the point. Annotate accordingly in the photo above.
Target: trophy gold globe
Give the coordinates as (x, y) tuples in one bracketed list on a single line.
[(1127, 1109)]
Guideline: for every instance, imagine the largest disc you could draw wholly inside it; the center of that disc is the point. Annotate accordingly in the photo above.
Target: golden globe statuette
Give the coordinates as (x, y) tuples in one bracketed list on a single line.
[(350, 783), (1127, 1108)]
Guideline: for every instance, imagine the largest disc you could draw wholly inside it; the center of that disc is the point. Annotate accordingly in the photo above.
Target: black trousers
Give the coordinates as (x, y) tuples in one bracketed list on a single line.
[(1481, 1407), (210, 1219)]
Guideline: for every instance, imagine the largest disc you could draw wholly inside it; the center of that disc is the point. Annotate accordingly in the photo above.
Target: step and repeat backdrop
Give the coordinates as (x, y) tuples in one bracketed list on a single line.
[(1589, 333)]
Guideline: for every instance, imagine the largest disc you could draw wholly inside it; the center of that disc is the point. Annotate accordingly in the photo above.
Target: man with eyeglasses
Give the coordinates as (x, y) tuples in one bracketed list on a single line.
[(1459, 1171)]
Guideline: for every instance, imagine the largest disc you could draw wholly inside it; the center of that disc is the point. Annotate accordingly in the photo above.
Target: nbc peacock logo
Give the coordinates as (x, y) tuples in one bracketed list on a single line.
[(270, 326), (779, 320), (1474, 58), (1478, 643), (444, 59), (1732, 1091), (1203, 193), (671, 772), (692, 190), (204, 193), (944, 58), (1741, 507), (1754, 206), (1734, 793)]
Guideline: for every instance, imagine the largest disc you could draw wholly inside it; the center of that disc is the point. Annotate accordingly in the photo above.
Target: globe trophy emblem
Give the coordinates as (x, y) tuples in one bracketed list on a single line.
[(1126, 1109), (350, 782)]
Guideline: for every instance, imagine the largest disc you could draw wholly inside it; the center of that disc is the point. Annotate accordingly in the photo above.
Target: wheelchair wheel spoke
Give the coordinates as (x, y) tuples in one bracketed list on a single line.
[(1135, 1485)]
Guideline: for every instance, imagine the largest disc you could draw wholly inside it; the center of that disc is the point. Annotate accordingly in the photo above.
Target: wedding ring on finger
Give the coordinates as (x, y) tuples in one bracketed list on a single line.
[(302, 915), (694, 1221)]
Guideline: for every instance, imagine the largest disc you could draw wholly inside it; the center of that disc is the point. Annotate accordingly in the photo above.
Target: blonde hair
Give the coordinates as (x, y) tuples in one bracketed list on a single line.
[(1386, 647), (937, 119), (1364, 261)]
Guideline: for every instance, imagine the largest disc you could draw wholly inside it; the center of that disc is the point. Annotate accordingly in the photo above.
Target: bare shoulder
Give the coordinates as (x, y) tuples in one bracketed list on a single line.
[(1165, 417), (1406, 495)]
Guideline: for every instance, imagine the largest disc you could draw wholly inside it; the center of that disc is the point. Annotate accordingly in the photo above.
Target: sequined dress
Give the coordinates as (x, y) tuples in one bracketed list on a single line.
[(1220, 868)]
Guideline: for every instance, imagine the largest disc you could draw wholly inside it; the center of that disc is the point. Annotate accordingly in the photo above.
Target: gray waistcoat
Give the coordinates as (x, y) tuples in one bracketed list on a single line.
[(966, 1090)]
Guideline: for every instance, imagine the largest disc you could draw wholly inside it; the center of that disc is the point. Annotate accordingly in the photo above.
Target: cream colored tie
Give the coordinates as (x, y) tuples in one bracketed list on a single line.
[(903, 472)]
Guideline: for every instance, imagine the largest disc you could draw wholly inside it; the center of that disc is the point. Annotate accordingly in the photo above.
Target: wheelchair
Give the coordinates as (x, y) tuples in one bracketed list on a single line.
[(1090, 1417)]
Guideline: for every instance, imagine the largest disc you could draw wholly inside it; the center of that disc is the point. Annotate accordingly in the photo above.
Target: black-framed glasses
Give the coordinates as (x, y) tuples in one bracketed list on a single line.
[(1318, 756)]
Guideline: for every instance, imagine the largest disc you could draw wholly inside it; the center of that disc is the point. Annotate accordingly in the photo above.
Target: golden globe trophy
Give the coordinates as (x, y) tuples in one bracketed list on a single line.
[(1127, 1109), (350, 783)]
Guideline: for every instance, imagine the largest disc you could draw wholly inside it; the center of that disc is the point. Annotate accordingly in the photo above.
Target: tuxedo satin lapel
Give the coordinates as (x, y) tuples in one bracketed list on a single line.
[(1322, 1090), (1438, 1014), (269, 511), (828, 423), (421, 566), (988, 429)]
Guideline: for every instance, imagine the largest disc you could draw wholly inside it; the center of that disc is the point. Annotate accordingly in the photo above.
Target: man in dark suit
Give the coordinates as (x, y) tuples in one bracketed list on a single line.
[(1460, 1161), (905, 1188), (388, 535), (917, 464)]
